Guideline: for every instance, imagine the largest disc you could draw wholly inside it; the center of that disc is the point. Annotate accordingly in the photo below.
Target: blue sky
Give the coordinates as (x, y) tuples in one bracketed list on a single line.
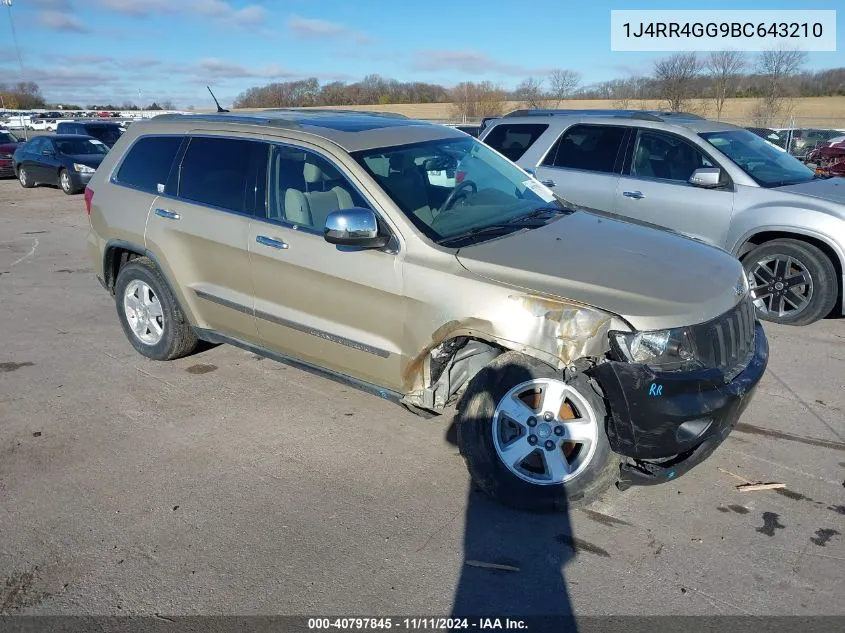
[(87, 51)]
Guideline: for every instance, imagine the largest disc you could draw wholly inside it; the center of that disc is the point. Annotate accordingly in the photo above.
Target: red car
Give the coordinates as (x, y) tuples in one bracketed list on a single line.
[(104, 114), (8, 144), (828, 160)]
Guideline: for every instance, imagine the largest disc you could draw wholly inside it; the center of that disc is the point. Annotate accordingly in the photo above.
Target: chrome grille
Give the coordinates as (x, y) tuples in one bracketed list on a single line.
[(727, 342)]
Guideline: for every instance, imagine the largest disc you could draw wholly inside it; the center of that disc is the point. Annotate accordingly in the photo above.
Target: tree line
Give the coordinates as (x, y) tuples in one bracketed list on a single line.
[(679, 81)]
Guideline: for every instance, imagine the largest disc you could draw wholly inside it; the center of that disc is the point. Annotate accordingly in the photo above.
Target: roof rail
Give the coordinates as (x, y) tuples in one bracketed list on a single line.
[(646, 115)]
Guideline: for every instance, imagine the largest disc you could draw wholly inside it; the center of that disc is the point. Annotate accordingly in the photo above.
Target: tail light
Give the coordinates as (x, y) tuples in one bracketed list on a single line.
[(459, 176), (89, 196)]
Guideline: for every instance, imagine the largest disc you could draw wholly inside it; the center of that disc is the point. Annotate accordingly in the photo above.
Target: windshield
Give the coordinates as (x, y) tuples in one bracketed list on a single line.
[(75, 146), (767, 165), (6, 137), (448, 187), (106, 133)]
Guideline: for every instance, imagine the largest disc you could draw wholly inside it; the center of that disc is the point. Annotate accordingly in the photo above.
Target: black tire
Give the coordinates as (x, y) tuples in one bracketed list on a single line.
[(489, 473), (70, 189), (178, 338), (26, 180), (822, 274)]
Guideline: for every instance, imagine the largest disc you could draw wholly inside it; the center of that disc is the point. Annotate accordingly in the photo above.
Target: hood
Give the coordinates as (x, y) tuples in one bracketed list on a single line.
[(92, 160), (651, 278), (9, 148), (830, 189)]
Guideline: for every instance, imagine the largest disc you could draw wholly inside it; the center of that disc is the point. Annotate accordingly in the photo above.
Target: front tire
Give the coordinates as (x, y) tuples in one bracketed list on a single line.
[(792, 282), (65, 182), (532, 441), (149, 313)]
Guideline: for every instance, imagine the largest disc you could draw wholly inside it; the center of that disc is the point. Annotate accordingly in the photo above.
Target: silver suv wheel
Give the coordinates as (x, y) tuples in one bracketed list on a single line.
[(544, 431), (780, 285)]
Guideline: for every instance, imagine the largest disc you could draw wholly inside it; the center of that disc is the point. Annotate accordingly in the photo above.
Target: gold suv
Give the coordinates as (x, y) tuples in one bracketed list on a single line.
[(414, 261)]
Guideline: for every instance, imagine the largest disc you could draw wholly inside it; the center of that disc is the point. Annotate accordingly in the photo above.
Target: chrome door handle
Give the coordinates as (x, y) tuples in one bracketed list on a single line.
[(167, 213), (636, 195), (548, 182), (269, 241)]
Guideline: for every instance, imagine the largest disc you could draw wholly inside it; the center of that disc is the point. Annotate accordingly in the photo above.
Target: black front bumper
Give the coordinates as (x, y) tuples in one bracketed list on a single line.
[(666, 423)]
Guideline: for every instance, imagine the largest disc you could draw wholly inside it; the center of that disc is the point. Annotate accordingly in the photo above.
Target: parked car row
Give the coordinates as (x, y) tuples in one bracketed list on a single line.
[(414, 261), (67, 159)]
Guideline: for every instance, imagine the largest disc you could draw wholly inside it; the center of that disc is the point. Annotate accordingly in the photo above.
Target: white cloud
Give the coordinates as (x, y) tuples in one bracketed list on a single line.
[(468, 62), (60, 21), (315, 28), (250, 15)]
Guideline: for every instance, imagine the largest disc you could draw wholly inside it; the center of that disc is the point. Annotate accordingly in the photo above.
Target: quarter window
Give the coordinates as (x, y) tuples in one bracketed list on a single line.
[(222, 172), (513, 140), (148, 163), (589, 147), (304, 188), (666, 157)]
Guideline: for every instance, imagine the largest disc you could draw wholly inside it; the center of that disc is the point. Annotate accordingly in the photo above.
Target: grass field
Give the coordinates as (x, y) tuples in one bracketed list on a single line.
[(807, 111)]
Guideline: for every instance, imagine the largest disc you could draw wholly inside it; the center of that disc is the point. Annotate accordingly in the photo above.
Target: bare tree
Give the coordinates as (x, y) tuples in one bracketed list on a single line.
[(777, 66), (562, 83), (530, 91), (676, 77), (476, 100), (724, 68)]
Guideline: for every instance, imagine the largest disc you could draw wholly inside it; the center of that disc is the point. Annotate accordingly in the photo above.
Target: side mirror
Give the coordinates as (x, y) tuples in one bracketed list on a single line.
[(707, 177), (48, 152), (354, 227)]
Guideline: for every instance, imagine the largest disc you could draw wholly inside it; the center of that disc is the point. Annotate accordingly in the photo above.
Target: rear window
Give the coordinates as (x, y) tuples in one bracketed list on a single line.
[(513, 140), (589, 147), (221, 172), (108, 134), (148, 163)]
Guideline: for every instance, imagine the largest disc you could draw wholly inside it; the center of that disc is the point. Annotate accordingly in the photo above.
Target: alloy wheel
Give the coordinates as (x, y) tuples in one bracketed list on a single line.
[(544, 431), (143, 312), (780, 286)]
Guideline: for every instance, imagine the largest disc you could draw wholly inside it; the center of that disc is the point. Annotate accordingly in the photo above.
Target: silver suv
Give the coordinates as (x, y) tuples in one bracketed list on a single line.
[(711, 181), (415, 262)]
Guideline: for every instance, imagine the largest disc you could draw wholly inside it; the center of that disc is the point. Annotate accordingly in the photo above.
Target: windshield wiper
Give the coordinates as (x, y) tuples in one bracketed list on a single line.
[(541, 212), (531, 220)]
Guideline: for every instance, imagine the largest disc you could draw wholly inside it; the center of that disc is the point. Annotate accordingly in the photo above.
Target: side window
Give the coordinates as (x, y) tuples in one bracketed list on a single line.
[(304, 188), (589, 147), (220, 172), (514, 139), (148, 163), (36, 145), (666, 157)]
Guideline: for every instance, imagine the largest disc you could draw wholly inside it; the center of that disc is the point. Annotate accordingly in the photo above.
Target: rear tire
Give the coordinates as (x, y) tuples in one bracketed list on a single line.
[(531, 483), (24, 178), (155, 324), (792, 282)]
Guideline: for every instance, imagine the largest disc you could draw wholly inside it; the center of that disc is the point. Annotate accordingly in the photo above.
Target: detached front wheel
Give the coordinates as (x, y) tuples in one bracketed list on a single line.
[(532, 441)]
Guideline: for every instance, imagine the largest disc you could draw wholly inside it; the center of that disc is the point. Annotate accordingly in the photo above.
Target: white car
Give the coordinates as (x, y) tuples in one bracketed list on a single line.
[(43, 125)]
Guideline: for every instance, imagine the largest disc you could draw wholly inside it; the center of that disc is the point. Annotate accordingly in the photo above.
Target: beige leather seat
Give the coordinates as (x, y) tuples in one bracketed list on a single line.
[(311, 207)]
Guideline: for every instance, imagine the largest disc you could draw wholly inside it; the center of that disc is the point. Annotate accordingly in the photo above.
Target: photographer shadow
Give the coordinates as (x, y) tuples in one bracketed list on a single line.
[(514, 560)]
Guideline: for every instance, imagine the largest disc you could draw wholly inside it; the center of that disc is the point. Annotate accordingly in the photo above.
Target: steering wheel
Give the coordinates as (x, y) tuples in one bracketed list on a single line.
[(456, 193)]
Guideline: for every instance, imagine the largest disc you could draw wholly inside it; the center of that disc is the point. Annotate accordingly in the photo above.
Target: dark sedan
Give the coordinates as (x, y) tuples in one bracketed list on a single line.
[(65, 160), (8, 144)]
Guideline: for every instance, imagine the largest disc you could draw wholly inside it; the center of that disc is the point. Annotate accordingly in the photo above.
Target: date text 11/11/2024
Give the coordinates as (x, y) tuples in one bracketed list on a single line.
[(415, 624)]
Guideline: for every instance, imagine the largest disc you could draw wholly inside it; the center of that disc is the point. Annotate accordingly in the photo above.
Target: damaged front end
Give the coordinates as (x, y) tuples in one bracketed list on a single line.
[(558, 332)]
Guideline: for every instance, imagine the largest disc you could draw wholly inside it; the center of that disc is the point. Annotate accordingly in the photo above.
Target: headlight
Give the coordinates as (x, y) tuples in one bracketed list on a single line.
[(663, 350), (83, 169)]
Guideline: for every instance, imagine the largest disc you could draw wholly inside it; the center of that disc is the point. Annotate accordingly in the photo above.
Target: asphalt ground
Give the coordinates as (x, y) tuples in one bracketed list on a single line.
[(226, 483)]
